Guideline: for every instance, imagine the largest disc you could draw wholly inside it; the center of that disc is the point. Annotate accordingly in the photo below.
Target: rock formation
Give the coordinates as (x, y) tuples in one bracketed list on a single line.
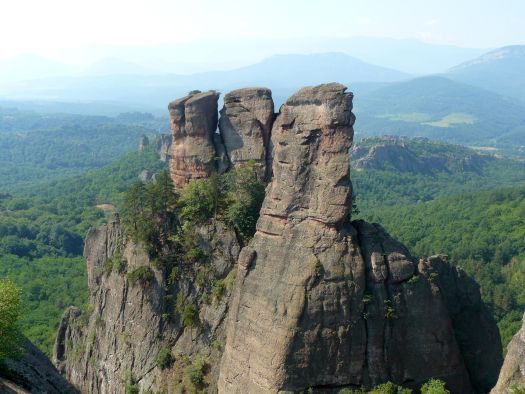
[(512, 374), (32, 373), (163, 147), (415, 155), (118, 341), (245, 125), (143, 142), (193, 121), (318, 301)]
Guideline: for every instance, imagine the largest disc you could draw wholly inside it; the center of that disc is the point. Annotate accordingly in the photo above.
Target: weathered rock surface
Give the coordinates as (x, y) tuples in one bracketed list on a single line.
[(32, 373), (319, 302), (193, 121), (120, 338), (245, 126), (512, 374)]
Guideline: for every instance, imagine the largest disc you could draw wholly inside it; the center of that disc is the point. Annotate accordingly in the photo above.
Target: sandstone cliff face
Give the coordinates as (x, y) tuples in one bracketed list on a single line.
[(512, 374), (193, 121), (318, 301), (245, 125), (120, 338), (323, 303)]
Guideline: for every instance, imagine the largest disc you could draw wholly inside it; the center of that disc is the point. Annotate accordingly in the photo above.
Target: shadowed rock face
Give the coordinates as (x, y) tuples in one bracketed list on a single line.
[(245, 125), (32, 373), (193, 121), (512, 374)]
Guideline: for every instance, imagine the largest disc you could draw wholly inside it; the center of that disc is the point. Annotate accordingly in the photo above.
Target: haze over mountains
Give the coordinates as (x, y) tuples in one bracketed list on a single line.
[(391, 94)]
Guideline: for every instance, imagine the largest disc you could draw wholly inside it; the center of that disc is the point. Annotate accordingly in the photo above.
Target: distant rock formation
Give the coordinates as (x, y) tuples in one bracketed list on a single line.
[(163, 146), (318, 301), (512, 374), (245, 126), (32, 373), (402, 154), (143, 143)]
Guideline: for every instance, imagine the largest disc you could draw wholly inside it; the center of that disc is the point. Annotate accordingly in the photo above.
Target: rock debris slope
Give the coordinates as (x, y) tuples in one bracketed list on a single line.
[(318, 301)]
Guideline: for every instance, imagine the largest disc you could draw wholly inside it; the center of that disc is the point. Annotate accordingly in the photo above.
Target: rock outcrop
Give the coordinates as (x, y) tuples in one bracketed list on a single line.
[(321, 302), (143, 143), (512, 374), (118, 341), (193, 121), (245, 126), (163, 147), (318, 301), (32, 373), (415, 155)]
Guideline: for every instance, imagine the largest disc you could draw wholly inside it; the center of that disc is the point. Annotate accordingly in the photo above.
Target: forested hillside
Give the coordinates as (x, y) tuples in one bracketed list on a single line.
[(451, 200), (41, 238), (442, 109), (35, 147), (482, 232)]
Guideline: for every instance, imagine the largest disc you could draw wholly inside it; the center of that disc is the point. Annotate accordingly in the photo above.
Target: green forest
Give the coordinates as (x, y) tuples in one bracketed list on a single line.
[(476, 217), (41, 238)]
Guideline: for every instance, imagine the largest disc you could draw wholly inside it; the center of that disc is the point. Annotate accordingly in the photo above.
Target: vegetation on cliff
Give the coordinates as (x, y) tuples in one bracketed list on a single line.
[(9, 314)]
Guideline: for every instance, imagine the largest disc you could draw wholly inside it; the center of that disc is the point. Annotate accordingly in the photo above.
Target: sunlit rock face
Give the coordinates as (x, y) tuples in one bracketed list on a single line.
[(193, 121)]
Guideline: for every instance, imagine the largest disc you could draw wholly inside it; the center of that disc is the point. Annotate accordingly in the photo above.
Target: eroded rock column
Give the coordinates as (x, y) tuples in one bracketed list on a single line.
[(245, 125), (298, 242), (193, 121)]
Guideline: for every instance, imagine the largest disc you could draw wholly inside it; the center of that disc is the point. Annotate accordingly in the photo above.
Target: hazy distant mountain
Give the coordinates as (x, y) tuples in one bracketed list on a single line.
[(501, 71), (407, 55), (282, 73), (26, 67), (439, 108), (113, 66)]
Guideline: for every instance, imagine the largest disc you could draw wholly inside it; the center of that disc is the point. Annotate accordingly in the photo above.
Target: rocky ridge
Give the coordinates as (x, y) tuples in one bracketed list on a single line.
[(318, 301), (415, 155)]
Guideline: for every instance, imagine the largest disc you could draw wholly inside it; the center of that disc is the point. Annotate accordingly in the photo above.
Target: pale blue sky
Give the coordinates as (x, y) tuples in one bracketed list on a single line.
[(46, 27)]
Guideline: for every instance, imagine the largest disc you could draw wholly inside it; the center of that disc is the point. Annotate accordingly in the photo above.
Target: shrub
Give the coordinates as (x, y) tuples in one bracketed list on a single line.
[(246, 194), (230, 279), (116, 263), (195, 372), (434, 386), (190, 315), (390, 388), (164, 358), (174, 275), (218, 289), (142, 275)]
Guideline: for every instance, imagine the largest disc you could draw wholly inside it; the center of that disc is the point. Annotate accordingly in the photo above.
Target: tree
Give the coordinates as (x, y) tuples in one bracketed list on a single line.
[(434, 386), (9, 314)]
